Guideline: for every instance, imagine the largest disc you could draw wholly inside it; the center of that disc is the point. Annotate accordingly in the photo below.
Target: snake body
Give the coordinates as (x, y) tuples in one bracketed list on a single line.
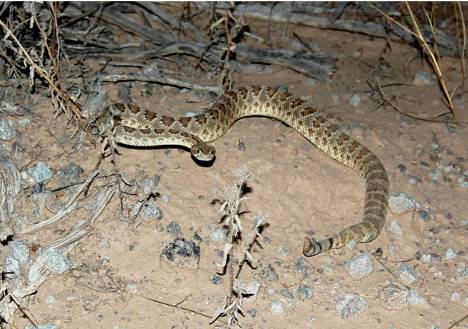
[(138, 127)]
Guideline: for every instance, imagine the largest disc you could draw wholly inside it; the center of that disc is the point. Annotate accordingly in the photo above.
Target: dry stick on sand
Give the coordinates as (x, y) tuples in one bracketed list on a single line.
[(432, 55)]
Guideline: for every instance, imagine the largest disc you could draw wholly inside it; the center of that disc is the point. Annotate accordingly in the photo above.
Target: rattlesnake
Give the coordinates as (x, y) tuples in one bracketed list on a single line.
[(134, 126)]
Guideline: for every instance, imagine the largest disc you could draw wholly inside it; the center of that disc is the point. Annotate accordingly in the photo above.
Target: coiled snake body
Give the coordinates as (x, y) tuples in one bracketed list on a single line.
[(134, 126)]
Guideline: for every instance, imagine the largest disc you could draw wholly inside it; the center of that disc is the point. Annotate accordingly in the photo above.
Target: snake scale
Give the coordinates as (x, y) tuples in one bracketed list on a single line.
[(134, 126)]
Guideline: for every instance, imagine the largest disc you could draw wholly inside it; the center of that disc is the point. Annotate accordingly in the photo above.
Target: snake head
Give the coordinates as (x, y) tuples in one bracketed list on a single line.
[(203, 152)]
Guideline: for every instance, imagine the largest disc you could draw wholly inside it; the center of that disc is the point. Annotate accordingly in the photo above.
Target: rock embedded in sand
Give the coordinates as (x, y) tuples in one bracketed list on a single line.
[(350, 304)]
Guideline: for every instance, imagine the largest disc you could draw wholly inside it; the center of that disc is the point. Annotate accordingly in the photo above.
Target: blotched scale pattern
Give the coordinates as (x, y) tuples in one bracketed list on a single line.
[(138, 127)]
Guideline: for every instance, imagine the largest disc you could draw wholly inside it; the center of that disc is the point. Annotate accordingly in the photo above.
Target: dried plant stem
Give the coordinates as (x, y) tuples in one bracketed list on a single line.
[(464, 37), (72, 106), (433, 59)]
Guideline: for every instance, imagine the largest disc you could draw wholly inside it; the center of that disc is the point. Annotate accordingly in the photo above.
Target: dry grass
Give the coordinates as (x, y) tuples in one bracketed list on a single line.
[(432, 52)]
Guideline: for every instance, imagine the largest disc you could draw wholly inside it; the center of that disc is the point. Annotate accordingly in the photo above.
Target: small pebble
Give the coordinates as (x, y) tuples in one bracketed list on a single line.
[(424, 215), (350, 304), (131, 286), (407, 274), (395, 228), (19, 251), (416, 299), (249, 288), (302, 267), (304, 291), (23, 123), (182, 252), (6, 130), (401, 202), (216, 279), (284, 251), (450, 254), (422, 78), (150, 211), (40, 172), (241, 146), (269, 273), (252, 312), (173, 228), (219, 235), (426, 258), (50, 300), (105, 244), (277, 307), (150, 184), (355, 100), (402, 168), (394, 296), (287, 293), (360, 266), (53, 260), (12, 267), (455, 297), (191, 114), (462, 271)]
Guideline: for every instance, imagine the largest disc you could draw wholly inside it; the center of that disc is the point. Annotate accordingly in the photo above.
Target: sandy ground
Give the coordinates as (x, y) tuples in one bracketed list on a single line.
[(119, 267)]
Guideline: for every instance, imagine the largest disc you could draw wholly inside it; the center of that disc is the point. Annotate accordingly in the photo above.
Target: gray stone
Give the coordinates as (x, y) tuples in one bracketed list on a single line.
[(287, 293), (249, 289), (219, 235), (150, 184), (355, 100), (182, 253), (360, 266), (38, 173), (150, 211), (12, 267), (19, 251), (53, 260), (401, 202), (216, 279), (268, 272), (450, 254), (394, 296), (277, 307), (304, 291), (407, 274), (302, 267), (23, 123), (462, 271), (415, 298), (350, 304), (424, 215), (395, 228), (6, 130), (173, 228)]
